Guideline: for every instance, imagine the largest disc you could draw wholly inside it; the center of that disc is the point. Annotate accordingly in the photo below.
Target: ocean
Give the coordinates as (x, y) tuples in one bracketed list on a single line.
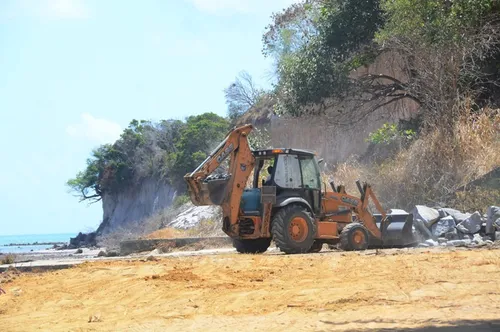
[(5, 240)]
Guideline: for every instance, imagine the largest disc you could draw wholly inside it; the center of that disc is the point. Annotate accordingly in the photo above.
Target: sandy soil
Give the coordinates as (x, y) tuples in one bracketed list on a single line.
[(229, 292)]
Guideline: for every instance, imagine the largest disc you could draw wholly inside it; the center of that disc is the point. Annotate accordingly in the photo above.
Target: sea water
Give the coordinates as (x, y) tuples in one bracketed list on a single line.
[(5, 240)]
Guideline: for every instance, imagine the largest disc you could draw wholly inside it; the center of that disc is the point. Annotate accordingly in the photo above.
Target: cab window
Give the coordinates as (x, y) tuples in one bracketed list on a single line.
[(310, 173), (287, 173)]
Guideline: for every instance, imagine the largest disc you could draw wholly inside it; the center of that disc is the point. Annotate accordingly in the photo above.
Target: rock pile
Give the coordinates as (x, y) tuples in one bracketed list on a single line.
[(449, 227)]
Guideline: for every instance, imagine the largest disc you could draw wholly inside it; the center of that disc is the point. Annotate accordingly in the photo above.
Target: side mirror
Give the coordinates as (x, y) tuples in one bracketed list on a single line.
[(321, 161)]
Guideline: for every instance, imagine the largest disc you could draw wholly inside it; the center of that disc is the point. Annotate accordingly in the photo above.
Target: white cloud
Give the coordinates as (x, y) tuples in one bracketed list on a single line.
[(240, 6), (95, 129), (49, 9)]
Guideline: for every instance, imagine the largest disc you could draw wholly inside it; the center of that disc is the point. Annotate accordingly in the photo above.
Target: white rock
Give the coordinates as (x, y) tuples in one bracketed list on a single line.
[(194, 215), (426, 214), (457, 215), (477, 239)]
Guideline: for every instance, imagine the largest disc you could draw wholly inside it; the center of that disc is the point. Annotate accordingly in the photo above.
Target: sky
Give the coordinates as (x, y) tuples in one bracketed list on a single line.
[(74, 73)]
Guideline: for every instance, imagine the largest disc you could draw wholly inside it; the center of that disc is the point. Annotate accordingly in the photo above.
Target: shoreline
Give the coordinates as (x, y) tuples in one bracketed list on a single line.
[(33, 244)]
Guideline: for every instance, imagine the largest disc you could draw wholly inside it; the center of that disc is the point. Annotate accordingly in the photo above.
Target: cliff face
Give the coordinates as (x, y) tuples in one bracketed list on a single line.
[(131, 206)]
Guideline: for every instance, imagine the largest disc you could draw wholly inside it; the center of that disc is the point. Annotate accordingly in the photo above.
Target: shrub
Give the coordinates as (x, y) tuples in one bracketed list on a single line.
[(388, 133), (8, 259)]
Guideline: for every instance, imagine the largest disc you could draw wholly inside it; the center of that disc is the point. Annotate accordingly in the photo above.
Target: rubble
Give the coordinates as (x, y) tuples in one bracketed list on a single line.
[(453, 228)]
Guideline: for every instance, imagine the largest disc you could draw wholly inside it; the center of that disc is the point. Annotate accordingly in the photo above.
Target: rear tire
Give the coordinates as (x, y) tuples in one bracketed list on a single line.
[(253, 246), (353, 237), (293, 229)]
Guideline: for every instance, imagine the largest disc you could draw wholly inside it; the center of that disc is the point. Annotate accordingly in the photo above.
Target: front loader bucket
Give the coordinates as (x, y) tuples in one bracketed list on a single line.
[(209, 192), (400, 231)]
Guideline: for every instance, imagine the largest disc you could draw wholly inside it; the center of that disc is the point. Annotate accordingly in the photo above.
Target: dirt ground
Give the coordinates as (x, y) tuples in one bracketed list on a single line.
[(394, 290)]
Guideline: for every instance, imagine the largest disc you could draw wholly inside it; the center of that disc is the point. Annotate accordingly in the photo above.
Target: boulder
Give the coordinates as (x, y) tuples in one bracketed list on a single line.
[(471, 225), (492, 219), (457, 215), (83, 240), (443, 226), (426, 214)]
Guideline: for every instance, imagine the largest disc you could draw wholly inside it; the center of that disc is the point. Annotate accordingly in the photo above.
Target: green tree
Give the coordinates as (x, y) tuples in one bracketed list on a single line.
[(198, 137), (166, 150), (314, 62)]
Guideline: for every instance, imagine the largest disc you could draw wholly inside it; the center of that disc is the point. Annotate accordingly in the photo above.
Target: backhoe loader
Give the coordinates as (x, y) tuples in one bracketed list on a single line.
[(292, 208)]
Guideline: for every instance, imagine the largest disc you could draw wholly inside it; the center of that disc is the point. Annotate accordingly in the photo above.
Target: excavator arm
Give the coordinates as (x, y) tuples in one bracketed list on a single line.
[(360, 207), (224, 190)]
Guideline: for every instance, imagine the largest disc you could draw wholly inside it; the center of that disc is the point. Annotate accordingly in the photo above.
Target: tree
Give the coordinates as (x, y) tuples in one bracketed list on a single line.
[(198, 137), (242, 95), (166, 150), (326, 40)]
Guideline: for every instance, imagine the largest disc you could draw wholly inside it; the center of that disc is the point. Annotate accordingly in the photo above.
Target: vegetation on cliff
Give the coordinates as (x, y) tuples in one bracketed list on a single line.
[(448, 51), (166, 150)]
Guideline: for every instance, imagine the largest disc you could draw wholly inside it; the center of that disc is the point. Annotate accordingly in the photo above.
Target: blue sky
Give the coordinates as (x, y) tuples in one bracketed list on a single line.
[(73, 73)]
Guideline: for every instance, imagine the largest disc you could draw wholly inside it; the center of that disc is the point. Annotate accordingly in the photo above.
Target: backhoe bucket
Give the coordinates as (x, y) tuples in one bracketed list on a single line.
[(400, 231), (209, 192)]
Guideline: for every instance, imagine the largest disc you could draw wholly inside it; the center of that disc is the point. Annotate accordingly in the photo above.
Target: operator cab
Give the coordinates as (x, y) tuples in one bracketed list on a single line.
[(294, 173)]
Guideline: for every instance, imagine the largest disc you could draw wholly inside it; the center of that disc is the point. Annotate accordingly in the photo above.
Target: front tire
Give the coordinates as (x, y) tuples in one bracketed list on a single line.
[(253, 246), (293, 229), (353, 237)]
